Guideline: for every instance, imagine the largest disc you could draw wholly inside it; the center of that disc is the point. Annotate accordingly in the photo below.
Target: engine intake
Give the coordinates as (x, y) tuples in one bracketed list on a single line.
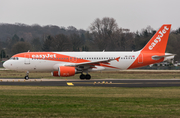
[(64, 71)]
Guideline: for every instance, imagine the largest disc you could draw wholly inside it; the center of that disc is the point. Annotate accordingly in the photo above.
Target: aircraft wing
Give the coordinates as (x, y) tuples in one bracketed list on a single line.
[(92, 63)]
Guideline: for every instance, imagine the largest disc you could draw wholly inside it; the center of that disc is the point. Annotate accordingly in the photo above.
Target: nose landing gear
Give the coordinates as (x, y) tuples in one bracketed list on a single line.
[(27, 75)]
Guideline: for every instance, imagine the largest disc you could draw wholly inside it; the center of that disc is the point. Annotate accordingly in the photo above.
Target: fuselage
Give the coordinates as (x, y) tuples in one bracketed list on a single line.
[(47, 61)]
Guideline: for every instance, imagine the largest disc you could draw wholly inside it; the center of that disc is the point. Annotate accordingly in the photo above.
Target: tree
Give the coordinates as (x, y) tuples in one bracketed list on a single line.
[(76, 41), (47, 43), (36, 44), (15, 39), (143, 37), (20, 47), (3, 54), (104, 28), (103, 32), (85, 48), (72, 28), (123, 42), (61, 43), (22, 39)]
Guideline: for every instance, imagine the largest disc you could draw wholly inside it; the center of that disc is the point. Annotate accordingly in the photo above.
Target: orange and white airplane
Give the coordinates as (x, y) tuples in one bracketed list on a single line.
[(65, 64)]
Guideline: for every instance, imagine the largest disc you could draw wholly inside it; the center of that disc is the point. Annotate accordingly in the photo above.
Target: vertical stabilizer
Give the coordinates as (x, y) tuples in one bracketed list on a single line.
[(158, 42)]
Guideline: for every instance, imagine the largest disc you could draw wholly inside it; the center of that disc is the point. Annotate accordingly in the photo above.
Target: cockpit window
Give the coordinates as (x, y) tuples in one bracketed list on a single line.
[(14, 58)]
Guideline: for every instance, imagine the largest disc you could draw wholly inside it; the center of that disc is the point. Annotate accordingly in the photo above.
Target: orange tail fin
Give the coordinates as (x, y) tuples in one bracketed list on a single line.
[(159, 41)]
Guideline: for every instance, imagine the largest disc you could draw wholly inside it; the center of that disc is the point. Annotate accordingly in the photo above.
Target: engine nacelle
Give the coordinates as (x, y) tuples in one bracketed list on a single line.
[(55, 73), (64, 71)]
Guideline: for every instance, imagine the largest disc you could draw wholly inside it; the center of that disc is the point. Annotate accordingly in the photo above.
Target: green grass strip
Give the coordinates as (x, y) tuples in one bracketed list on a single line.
[(22, 101)]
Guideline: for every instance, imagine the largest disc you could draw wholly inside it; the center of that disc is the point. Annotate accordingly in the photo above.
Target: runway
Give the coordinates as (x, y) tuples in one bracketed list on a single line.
[(94, 82)]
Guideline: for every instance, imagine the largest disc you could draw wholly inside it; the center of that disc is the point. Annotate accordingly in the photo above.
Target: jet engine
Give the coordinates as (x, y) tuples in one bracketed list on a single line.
[(64, 71)]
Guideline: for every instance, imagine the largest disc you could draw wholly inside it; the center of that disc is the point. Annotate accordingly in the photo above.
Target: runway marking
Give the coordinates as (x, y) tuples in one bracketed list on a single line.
[(83, 82), (125, 83), (70, 84), (97, 83)]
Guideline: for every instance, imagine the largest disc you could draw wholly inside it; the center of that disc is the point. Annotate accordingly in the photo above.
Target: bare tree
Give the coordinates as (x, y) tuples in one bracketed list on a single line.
[(103, 32)]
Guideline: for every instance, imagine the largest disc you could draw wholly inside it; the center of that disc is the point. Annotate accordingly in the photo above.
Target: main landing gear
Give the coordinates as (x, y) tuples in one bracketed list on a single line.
[(87, 76), (27, 75)]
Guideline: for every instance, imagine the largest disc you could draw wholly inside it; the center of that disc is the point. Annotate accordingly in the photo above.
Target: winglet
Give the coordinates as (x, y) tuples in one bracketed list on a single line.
[(117, 59)]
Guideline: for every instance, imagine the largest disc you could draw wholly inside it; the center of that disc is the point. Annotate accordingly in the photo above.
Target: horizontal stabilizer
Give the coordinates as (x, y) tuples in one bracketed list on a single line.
[(162, 56)]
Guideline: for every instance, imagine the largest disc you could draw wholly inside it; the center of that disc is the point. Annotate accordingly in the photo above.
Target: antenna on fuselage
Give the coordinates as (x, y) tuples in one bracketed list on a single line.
[(28, 50), (103, 50)]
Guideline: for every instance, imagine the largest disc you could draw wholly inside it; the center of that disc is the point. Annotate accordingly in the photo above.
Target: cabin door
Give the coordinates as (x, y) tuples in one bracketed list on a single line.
[(140, 58), (26, 59)]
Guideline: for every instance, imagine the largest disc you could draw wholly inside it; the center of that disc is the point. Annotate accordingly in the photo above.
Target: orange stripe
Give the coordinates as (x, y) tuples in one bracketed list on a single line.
[(50, 56)]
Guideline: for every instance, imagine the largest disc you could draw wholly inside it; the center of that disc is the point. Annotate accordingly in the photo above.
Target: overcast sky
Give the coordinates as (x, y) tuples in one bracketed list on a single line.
[(131, 14)]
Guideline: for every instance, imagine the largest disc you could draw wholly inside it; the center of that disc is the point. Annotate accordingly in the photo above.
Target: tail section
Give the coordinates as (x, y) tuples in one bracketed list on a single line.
[(154, 50), (158, 42)]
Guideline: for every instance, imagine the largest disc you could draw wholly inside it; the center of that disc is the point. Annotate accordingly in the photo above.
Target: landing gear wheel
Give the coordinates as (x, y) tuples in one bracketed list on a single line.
[(88, 77), (26, 77), (82, 76)]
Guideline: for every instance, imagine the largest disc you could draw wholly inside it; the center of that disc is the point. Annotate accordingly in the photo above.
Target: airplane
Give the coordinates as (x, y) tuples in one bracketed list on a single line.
[(65, 64)]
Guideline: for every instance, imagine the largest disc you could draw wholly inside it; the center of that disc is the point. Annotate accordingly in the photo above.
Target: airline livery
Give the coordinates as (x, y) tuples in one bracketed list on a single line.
[(65, 64)]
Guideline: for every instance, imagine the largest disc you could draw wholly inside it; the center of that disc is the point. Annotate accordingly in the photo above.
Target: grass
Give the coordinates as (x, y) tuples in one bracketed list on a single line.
[(27, 101), (130, 74)]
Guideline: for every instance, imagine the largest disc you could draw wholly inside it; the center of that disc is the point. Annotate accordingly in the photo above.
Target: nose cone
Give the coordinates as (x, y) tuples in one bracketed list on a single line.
[(5, 64)]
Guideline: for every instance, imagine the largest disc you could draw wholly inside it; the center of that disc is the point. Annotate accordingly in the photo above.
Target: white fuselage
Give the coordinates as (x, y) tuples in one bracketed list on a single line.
[(37, 63)]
